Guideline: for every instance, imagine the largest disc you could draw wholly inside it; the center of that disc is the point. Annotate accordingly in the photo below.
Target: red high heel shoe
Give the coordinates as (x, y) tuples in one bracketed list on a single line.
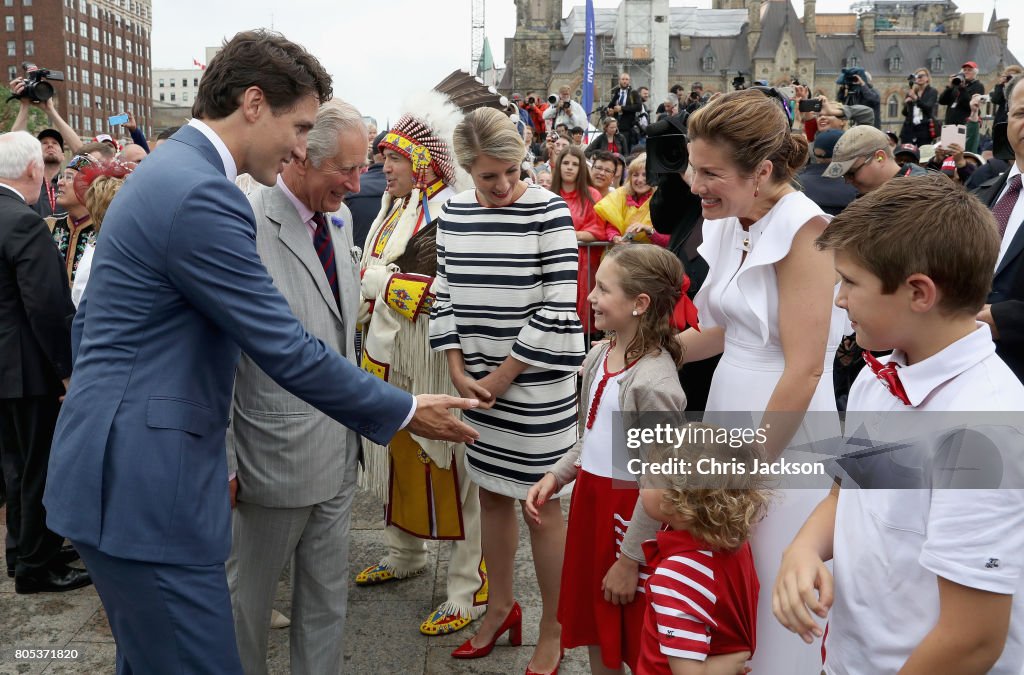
[(513, 623), (558, 665)]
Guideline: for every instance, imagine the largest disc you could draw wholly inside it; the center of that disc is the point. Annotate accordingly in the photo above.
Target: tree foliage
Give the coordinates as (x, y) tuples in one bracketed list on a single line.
[(9, 112)]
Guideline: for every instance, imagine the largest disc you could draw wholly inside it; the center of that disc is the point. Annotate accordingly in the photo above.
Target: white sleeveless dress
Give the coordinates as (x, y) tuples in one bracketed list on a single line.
[(742, 296)]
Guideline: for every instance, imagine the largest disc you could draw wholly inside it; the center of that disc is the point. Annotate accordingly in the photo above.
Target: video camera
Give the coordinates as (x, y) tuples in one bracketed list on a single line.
[(37, 89), (958, 79), (666, 147), (849, 76), (739, 82)]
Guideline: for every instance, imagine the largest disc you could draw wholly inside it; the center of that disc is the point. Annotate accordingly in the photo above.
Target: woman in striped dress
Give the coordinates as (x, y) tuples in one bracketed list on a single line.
[(505, 313)]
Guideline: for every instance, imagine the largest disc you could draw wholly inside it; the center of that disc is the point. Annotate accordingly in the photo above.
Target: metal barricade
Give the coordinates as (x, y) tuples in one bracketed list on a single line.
[(590, 257)]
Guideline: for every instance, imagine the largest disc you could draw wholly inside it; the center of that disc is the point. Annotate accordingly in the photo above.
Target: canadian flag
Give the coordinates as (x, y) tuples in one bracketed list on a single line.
[(201, 66)]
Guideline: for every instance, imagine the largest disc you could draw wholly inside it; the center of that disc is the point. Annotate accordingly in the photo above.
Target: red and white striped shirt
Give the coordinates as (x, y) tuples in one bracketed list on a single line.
[(700, 602)]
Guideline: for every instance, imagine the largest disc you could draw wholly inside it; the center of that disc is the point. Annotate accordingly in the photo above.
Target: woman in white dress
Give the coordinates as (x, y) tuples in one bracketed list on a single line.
[(766, 306)]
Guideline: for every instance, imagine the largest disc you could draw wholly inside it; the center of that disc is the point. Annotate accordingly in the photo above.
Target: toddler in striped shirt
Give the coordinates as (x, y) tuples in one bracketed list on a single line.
[(702, 593)]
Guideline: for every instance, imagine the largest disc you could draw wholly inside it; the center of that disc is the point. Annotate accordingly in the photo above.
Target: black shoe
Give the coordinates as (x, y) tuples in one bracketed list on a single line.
[(52, 580), (67, 554)]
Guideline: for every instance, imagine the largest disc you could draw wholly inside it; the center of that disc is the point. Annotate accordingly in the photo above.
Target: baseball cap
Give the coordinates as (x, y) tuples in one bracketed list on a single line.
[(825, 143), (927, 152), (908, 149), (892, 136), (970, 64), (858, 142), (107, 138), (948, 166), (51, 133)]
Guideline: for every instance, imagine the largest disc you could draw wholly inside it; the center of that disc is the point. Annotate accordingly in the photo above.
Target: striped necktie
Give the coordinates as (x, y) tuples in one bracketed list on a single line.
[(325, 251)]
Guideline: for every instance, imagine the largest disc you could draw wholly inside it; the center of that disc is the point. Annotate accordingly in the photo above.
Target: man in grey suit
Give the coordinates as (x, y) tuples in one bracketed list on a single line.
[(296, 467)]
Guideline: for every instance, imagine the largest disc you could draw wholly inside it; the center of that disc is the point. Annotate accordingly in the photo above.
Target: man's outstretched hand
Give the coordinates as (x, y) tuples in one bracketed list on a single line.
[(432, 419)]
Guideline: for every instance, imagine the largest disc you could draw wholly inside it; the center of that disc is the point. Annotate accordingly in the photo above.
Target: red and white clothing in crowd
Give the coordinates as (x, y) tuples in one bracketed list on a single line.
[(585, 219), (700, 602)]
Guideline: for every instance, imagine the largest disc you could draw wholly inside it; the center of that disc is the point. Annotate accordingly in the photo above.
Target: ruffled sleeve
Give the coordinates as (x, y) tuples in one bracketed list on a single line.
[(755, 277), (444, 333), (712, 233), (553, 338)]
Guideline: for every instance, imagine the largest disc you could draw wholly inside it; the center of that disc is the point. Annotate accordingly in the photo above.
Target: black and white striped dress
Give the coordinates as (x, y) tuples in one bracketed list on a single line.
[(506, 284)]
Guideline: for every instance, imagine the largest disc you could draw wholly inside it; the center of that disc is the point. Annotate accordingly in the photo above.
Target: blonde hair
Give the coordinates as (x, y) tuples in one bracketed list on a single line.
[(720, 510), (637, 166), (487, 131), (98, 197), (657, 273)]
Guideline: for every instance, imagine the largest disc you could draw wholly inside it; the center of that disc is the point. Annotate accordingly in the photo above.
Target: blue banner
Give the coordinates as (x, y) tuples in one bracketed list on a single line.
[(588, 66)]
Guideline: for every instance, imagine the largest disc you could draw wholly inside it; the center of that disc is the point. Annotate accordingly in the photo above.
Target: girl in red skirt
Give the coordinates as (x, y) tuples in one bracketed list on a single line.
[(640, 297)]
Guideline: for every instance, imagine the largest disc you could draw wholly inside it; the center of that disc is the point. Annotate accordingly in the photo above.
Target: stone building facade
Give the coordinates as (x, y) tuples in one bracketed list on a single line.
[(763, 40)]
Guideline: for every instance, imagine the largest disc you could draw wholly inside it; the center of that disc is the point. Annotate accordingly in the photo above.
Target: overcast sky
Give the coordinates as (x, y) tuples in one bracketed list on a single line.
[(377, 50)]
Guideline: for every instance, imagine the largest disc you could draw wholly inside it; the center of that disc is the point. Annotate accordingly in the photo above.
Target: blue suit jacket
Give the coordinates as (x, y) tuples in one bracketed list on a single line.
[(138, 465)]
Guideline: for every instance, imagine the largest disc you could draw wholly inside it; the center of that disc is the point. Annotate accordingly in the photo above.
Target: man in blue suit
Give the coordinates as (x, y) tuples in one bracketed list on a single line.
[(138, 473)]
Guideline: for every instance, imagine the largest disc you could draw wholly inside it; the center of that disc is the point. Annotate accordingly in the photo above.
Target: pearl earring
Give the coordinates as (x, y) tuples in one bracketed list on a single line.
[(636, 313)]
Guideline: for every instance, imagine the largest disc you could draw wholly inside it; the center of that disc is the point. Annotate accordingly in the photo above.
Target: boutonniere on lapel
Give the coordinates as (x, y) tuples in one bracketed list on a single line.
[(337, 222)]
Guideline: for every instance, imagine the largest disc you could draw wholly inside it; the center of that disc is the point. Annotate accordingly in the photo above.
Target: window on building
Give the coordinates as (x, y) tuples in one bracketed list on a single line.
[(28, 22), (85, 53), (195, 81), (86, 99), (9, 23), (74, 97), (30, 47), (184, 81), (95, 12), (26, 3), (99, 124), (12, 48), (118, 41), (120, 85), (96, 56), (161, 96), (131, 88), (895, 64), (936, 65), (87, 121), (893, 107), (172, 97), (83, 7), (131, 107), (85, 76), (12, 72), (161, 83), (83, 29), (119, 64), (99, 102), (173, 81), (8, 3), (95, 34), (184, 96)]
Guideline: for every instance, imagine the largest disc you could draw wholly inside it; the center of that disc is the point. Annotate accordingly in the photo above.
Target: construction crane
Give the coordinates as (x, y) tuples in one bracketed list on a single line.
[(477, 34)]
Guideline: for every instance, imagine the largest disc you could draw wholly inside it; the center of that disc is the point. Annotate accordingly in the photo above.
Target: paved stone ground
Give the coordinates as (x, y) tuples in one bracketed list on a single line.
[(382, 633)]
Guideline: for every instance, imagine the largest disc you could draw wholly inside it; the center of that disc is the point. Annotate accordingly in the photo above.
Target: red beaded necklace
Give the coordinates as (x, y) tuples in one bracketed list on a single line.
[(596, 403)]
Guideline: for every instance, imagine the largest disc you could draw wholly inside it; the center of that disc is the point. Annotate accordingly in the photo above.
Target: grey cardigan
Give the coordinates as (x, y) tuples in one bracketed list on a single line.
[(651, 385)]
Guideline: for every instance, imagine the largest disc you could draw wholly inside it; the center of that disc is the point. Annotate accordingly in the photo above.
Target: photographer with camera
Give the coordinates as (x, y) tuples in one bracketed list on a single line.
[(536, 106), (34, 90), (999, 97), (855, 89), (563, 110), (957, 94), (919, 108)]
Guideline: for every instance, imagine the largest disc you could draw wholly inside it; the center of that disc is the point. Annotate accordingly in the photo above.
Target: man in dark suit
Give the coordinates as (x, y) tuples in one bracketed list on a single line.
[(35, 363), (365, 204), (624, 105), (138, 470), (1005, 309)]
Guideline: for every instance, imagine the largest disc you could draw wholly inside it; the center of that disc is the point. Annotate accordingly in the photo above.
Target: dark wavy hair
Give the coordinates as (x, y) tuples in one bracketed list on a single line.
[(285, 72), (652, 270), (583, 182)]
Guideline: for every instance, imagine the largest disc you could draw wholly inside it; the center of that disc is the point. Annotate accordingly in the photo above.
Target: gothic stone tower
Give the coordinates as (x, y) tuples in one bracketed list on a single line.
[(538, 34)]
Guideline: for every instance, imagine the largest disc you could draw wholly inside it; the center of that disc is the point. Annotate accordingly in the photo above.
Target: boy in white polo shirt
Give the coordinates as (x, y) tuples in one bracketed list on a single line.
[(926, 580)]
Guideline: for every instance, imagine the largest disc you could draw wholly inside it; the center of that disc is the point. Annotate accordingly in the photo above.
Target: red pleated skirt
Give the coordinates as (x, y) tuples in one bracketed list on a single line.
[(598, 517)]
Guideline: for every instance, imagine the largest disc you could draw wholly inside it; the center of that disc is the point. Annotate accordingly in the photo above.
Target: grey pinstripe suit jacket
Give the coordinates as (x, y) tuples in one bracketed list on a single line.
[(287, 453)]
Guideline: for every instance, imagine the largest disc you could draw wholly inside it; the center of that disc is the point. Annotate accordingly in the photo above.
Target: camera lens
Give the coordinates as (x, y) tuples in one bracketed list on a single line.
[(39, 91)]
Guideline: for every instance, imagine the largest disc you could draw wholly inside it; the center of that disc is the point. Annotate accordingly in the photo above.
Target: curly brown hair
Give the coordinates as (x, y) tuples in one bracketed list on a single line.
[(720, 510), (651, 270)]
